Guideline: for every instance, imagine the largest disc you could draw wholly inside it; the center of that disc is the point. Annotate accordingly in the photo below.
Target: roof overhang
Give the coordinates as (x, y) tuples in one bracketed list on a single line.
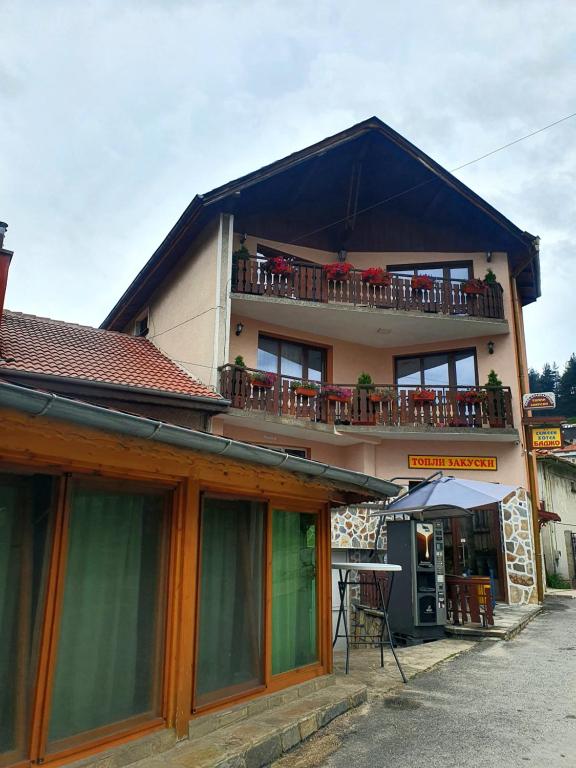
[(51, 405), (364, 189)]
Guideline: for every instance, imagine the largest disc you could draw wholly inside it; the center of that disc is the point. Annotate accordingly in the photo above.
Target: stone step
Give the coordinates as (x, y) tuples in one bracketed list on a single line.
[(261, 738), (204, 724)]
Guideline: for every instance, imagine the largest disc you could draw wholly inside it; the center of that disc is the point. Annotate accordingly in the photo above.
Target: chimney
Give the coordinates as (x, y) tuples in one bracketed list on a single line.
[(5, 258)]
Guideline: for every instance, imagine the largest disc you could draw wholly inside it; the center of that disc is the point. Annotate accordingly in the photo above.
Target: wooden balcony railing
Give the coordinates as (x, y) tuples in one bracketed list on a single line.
[(384, 405), (308, 282)]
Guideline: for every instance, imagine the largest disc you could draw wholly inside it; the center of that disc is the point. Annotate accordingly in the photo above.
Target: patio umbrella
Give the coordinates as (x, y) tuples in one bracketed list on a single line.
[(452, 491)]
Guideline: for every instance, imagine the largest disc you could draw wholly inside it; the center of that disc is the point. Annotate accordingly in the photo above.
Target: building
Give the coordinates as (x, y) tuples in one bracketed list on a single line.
[(358, 255), (150, 573), (557, 485)]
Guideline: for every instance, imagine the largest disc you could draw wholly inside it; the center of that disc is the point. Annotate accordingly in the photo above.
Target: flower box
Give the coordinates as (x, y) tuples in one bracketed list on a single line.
[(376, 276), (471, 397), (278, 265), (474, 287), (338, 270), (422, 283), (424, 396), (262, 380), (306, 391), (337, 394)]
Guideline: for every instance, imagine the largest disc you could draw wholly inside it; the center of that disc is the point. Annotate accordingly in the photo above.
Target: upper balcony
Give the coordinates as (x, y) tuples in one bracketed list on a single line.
[(390, 312), (378, 411)]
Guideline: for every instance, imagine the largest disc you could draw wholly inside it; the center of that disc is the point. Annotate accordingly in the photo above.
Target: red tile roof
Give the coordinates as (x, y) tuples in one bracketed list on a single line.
[(39, 345)]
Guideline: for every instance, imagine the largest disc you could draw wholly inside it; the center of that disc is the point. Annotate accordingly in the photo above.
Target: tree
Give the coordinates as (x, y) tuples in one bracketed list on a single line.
[(567, 389), (548, 379), (534, 380)]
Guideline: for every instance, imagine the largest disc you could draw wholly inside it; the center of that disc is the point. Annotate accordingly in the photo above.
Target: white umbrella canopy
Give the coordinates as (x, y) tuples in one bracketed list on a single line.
[(469, 494)]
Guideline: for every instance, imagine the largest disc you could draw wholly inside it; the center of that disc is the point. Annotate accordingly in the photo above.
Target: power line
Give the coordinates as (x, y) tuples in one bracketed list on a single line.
[(430, 181)]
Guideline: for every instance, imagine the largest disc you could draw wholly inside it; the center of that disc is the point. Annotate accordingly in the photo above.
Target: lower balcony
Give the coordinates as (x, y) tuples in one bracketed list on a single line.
[(380, 410)]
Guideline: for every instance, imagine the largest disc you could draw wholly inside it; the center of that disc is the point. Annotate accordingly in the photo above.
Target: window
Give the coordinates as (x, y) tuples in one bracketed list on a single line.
[(450, 270), (445, 369), (141, 325), (291, 359)]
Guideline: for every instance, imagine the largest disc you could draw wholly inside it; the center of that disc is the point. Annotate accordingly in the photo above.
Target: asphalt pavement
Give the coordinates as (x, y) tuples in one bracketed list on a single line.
[(502, 705)]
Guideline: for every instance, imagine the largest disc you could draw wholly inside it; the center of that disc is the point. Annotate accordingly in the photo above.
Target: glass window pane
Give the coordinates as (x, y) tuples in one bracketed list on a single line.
[(292, 361), (464, 362), (293, 590), (230, 619), (107, 667), (316, 364), (436, 372), (459, 273), (431, 271), (408, 371), (267, 359), (25, 519)]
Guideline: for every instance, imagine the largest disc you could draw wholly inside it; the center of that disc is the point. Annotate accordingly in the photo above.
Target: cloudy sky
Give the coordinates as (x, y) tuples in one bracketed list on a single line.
[(115, 113)]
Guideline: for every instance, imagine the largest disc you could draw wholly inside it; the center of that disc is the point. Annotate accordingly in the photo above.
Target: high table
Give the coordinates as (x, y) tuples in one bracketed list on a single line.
[(343, 582)]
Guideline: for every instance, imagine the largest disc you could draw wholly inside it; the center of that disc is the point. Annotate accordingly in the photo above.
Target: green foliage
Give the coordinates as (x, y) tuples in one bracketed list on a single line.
[(555, 581), (242, 252), (493, 380), (567, 389), (239, 361), (365, 381), (490, 277)]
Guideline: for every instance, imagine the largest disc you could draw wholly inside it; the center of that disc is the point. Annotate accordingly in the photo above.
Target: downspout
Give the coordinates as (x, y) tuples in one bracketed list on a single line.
[(522, 375)]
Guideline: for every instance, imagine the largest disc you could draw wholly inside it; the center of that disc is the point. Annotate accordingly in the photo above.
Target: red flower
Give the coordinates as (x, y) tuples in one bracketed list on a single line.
[(338, 270), (422, 282), (376, 276)]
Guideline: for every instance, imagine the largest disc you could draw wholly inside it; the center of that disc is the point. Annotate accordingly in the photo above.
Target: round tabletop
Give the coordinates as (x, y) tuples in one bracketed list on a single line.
[(366, 567)]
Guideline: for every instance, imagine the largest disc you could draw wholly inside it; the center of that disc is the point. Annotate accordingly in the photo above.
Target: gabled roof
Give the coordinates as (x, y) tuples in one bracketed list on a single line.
[(364, 189), (40, 346)]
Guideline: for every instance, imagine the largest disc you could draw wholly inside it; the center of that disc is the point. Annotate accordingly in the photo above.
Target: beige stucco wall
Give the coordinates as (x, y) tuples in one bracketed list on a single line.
[(183, 311)]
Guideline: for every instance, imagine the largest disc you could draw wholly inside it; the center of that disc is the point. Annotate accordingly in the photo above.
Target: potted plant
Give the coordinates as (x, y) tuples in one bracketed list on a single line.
[(471, 396), (305, 388), (239, 362), (422, 282), (241, 253), (365, 382), (474, 287), (337, 394), (263, 379), (279, 265), (424, 395), (490, 278), (383, 394), (376, 276), (495, 400), (338, 270)]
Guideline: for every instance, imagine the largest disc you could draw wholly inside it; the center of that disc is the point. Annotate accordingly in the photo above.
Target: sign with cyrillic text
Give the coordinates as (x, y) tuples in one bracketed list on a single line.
[(478, 463)]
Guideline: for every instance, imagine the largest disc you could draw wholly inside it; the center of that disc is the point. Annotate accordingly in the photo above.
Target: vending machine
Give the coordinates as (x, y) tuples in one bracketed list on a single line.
[(417, 608)]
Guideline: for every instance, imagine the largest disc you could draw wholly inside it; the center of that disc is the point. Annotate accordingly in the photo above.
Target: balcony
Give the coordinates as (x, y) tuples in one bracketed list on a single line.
[(377, 315), (383, 411)]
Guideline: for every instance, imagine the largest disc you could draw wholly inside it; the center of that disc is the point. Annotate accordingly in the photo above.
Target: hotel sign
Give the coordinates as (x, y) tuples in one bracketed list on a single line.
[(478, 463), (539, 400), (546, 437)]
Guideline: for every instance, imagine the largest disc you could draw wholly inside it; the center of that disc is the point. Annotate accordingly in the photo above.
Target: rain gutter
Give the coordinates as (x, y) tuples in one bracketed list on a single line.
[(41, 404)]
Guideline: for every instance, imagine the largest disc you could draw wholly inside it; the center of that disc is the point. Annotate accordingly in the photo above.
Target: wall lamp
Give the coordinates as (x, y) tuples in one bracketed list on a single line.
[(488, 256), (342, 255), (239, 328), (490, 346)]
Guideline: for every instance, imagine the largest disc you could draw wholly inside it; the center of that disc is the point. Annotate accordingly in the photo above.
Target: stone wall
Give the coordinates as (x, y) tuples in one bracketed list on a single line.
[(356, 530), (516, 515)]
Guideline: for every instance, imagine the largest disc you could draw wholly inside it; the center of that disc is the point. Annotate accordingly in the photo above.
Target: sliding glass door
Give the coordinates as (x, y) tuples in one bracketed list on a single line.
[(26, 519), (253, 622), (231, 598), (294, 624), (110, 640), (82, 613)]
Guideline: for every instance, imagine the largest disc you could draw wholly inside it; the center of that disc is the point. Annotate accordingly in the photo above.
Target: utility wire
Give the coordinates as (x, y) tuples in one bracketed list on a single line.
[(430, 181)]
